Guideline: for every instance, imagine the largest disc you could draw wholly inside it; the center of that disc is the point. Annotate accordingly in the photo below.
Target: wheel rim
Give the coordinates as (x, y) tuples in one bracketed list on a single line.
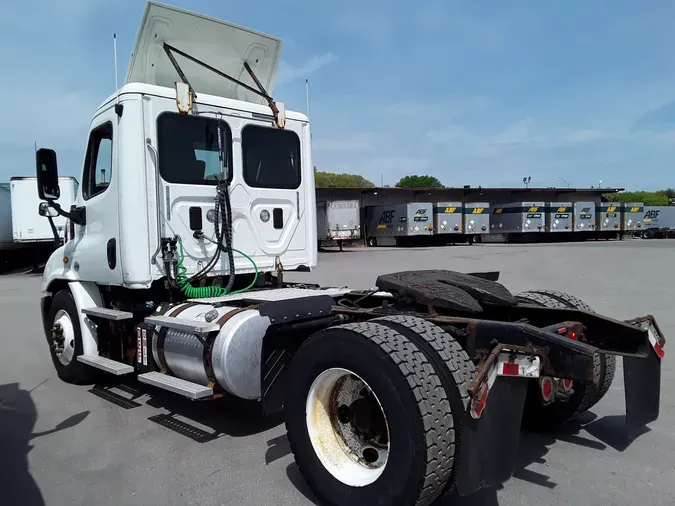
[(347, 427), (66, 340)]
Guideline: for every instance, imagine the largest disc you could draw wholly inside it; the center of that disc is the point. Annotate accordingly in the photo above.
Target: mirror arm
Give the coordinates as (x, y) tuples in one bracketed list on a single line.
[(76, 214), (57, 239)]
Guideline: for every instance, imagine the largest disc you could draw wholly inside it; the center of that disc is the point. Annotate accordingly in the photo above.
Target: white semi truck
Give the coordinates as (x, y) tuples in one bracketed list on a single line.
[(392, 396)]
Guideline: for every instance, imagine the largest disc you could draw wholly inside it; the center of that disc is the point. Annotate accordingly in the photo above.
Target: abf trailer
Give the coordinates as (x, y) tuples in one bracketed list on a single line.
[(27, 224), (392, 396), (399, 224)]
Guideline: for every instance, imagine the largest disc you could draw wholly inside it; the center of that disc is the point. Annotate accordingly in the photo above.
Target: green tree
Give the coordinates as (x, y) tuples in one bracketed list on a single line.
[(416, 181), (333, 180), (658, 198)]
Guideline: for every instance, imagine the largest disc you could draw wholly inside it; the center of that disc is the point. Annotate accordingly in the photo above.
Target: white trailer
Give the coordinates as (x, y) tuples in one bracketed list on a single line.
[(392, 396), (27, 225), (338, 221)]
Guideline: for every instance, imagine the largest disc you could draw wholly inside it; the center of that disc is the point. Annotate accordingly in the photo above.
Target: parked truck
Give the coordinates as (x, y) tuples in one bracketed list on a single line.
[(394, 395), (658, 222), (27, 225), (399, 224), (338, 221)]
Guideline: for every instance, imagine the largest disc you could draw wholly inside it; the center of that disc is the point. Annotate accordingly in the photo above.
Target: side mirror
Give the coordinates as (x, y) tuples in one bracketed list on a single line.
[(47, 174), (44, 209)]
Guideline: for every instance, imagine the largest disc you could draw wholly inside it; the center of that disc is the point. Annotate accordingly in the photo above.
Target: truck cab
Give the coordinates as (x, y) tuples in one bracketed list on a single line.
[(151, 169)]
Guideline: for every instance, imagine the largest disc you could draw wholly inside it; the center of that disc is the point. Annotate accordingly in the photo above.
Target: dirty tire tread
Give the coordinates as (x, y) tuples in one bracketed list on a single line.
[(603, 370), (446, 353), (430, 397)]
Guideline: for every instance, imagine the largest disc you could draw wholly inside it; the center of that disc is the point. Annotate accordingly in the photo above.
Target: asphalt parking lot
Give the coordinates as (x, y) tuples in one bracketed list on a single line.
[(62, 444)]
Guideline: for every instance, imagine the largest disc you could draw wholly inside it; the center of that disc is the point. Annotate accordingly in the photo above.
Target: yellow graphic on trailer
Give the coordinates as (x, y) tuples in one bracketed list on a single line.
[(478, 210), (611, 209), (561, 209), (498, 211), (533, 209), (450, 209), (634, 209)]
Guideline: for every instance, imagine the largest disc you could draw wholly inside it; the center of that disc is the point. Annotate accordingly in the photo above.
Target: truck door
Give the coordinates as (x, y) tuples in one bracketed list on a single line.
[(272, 178), (95, 246)]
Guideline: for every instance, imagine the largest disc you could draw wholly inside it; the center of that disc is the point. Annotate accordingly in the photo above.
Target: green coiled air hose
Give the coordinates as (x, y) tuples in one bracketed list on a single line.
[(203, 292)]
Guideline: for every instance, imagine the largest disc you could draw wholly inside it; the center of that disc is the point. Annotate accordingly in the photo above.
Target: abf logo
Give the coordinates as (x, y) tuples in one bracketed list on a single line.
[(652, 215), (498, 210), (533, 209), (562, 209), (611, 209), (387, 216), (450, 210), (420, 212), (634, 209), (478, 210)]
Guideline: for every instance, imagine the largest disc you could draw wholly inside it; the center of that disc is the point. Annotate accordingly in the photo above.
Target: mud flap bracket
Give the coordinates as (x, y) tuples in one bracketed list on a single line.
[(488, 446)]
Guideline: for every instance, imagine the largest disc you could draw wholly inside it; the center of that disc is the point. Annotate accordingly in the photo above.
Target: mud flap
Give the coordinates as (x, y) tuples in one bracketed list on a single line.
[(488, 446), (642, 380)]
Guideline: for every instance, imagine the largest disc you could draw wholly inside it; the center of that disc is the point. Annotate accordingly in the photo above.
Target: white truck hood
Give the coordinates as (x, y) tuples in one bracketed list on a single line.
[(222, 45)]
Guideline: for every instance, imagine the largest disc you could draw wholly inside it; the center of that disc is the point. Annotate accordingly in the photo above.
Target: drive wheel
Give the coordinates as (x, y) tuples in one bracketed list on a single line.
[(65, 340), (366, 418), (537, 416)]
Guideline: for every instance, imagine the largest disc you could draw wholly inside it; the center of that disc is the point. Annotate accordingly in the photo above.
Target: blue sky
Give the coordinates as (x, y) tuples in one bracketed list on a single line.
[(472, 92)]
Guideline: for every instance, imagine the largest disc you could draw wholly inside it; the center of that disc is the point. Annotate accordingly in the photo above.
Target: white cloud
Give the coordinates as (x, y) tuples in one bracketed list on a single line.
[(288, 73)]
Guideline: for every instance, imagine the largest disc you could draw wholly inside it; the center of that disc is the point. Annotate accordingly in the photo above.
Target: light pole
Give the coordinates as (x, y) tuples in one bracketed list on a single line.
[(563, 180)]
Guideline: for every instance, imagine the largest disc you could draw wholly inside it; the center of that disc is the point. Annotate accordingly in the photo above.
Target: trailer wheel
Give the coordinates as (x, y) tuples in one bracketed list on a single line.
[(367, 416), (67, 339), (537, 416)]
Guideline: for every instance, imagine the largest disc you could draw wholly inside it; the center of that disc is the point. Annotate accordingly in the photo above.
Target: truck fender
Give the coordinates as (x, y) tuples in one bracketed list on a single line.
[(86, 294)]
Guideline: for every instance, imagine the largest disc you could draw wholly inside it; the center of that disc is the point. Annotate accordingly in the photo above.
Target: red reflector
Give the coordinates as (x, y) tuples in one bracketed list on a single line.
[(510, 369), (659, 351), (562, 331), (567, 384), (573, 335), (547, 388)]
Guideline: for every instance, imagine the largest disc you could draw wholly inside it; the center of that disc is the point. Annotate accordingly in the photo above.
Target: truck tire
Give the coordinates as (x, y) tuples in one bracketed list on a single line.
[(453, 365), (585, 396), (63, 312), (341, 383)]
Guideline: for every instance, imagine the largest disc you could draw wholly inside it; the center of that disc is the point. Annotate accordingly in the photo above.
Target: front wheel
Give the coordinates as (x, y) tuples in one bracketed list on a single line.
[(65, 339), (364, 418)]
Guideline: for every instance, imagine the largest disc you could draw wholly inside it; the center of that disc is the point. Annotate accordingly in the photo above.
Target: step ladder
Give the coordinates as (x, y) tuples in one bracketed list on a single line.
[(105, 364), (107, 313), (193, 326), (176, 385)]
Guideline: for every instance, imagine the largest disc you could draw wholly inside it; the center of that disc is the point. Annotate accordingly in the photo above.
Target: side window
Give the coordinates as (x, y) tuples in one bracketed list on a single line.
[(98, 161), (271, 157)]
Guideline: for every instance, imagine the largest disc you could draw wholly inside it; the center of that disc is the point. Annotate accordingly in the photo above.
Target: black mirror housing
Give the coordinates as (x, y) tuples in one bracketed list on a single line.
[(47, 174)]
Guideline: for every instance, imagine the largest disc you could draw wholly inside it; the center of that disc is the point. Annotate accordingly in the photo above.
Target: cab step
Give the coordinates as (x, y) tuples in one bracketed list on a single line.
[(194, 326), (107, 313), (105, 364), (175, 385)]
